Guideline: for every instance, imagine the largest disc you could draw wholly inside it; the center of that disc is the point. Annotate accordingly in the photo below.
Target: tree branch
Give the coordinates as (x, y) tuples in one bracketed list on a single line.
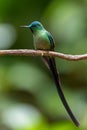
[(26, 52)]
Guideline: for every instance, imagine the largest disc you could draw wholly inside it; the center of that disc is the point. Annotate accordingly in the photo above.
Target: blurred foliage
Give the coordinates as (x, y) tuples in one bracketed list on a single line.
[(28, 97)]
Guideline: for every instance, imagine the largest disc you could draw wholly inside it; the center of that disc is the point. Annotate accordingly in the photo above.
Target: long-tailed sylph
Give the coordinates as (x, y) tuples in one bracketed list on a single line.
[(43, 40)]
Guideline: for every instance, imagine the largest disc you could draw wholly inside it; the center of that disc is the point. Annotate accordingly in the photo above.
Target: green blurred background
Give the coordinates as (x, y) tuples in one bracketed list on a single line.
[(28, 96)]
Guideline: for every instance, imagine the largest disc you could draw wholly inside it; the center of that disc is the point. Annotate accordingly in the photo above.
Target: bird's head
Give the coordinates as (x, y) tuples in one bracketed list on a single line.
[(34, 26)]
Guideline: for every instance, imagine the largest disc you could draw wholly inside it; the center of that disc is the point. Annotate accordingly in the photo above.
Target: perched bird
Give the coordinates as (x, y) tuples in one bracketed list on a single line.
[(43, 40)]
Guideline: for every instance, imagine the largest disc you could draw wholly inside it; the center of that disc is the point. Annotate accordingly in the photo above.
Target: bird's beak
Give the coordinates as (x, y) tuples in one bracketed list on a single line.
[(24, 26), (29, 26)]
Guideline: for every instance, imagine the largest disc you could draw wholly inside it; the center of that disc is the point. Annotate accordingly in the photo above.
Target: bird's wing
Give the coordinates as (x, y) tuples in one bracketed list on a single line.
[(52, 43)]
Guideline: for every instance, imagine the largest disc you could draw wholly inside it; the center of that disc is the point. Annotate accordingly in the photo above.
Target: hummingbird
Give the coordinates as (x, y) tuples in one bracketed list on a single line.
[(43, 40)]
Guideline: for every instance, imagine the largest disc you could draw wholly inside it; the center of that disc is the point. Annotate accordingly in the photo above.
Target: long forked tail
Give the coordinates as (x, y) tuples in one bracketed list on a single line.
[(52, 66)]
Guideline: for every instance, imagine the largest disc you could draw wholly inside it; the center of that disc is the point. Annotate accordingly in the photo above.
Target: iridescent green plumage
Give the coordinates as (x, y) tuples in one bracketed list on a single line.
[(43, 40)]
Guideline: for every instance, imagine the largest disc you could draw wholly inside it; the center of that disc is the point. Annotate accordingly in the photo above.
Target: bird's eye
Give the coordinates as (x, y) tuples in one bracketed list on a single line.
[(34, 26)]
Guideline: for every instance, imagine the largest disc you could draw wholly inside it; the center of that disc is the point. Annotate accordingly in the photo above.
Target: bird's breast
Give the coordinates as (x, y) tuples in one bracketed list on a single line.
[(42, 43)]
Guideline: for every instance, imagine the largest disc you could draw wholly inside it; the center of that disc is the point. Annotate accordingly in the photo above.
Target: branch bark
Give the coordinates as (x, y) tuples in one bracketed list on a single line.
[(28, 52)]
